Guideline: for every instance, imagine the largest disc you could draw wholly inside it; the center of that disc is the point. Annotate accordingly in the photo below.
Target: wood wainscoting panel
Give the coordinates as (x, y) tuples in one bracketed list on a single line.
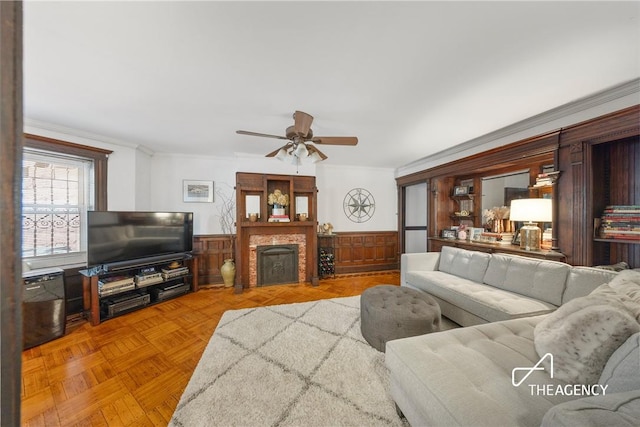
[(211, 251), (355, 252), (358, 252)]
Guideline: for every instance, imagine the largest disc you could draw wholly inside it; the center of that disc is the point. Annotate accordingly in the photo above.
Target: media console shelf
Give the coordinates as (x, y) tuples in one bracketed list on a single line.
[(109, 292)]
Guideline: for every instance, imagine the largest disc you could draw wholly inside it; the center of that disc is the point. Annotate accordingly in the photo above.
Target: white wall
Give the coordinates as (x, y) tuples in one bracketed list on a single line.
[(169, 170), (140, 180), (167, 173), (334, 182)]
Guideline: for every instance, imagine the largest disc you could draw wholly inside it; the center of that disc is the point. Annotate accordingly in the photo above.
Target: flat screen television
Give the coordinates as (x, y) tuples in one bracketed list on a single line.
[(116, 237)]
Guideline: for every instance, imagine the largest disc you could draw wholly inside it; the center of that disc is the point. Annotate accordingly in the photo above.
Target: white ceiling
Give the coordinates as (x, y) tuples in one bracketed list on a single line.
[(408, 78)]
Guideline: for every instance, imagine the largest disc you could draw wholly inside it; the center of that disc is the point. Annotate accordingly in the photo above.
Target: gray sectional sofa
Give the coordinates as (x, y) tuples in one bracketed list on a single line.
[(474, 376), (476, 287)]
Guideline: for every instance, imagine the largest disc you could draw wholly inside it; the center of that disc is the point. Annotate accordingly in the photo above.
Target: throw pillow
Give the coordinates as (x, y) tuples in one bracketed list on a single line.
[(582, 335), (622, 371)]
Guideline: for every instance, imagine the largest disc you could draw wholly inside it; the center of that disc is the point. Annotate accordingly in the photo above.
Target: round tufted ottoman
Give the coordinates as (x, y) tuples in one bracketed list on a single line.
[(389, 312)]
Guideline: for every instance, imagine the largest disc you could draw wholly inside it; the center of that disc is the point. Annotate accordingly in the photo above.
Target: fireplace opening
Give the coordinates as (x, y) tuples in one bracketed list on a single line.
[(277, 264)]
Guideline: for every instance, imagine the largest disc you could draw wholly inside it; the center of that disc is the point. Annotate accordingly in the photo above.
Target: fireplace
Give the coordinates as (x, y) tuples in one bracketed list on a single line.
[(277, 264)]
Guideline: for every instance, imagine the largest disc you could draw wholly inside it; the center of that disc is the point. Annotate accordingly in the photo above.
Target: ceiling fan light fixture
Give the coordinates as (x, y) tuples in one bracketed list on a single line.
[(314, 157), (296, 150), (282, 154), (301, 150)]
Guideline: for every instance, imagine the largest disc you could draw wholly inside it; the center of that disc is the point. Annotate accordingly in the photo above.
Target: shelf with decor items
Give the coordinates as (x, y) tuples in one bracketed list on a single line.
[(464, 211), (275, 205)]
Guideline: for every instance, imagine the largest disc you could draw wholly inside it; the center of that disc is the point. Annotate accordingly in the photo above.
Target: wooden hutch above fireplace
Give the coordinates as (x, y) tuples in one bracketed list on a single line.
[(256, 226)]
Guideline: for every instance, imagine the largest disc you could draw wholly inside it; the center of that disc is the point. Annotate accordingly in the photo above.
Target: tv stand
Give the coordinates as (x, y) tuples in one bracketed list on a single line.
[(114, 290)]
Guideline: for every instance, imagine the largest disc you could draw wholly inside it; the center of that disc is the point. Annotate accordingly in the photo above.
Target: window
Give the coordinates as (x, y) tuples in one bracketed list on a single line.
[(57, 191), (61, 181)]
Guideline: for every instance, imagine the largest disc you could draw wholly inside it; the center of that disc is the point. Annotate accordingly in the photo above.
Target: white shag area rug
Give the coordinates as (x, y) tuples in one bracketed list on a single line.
[(303, 364)]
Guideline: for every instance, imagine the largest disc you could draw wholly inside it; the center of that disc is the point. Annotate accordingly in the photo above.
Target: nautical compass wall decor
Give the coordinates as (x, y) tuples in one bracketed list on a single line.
[(359, 205)]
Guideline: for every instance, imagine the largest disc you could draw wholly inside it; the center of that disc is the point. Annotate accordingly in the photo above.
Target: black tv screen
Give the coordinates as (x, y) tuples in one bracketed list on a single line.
[(127, 236)]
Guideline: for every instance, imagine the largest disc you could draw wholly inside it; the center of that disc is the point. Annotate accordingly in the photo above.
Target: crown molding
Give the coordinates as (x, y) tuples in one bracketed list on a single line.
[(580, 105), (73, 133)]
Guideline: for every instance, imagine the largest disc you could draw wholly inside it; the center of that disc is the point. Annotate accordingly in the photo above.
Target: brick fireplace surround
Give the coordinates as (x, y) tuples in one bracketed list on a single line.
[(276, 240)]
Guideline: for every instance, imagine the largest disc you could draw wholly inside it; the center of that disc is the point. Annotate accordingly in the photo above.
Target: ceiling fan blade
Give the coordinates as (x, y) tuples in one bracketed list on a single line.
[(302, 123), (335, 140), (312, 149), (265, 135)]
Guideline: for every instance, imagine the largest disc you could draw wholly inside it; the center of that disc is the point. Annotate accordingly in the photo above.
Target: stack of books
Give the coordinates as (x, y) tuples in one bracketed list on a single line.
[(620, 222), (279, 218), (547, 178)]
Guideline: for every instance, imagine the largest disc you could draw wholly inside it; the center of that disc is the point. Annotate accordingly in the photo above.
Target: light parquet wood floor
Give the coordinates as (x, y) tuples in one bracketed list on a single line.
[(132, 370)]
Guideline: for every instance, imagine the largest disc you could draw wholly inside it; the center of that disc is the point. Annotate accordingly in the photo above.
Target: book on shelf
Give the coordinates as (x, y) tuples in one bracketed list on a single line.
[(278, 219), (620, 222), (546, 178)]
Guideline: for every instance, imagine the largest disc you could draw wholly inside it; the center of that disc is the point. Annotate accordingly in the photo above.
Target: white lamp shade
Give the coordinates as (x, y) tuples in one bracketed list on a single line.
[(315, 157), (282, 155), (301, 150), (531, 210)]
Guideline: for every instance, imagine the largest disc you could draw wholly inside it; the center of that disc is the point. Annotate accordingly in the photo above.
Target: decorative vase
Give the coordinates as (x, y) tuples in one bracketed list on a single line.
[(228, 271), (498, 226), (278, 210)]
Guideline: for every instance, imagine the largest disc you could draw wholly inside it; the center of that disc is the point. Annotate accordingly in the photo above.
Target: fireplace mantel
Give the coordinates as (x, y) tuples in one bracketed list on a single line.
[(252, 188)]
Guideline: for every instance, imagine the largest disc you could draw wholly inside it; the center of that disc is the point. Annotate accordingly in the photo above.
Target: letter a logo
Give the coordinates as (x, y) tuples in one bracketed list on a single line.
[(529, 371)]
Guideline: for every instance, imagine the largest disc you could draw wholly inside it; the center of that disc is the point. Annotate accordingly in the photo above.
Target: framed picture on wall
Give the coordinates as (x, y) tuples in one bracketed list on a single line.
[(197, 191)]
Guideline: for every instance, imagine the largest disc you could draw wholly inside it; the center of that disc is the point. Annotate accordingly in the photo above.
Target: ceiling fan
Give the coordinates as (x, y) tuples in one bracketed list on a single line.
[(299, 136)]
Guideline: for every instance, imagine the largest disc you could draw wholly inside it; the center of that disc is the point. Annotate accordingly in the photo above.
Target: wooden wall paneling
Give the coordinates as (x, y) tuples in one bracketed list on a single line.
[(357, 252), (443, 205), (211, 251), (582, 191)]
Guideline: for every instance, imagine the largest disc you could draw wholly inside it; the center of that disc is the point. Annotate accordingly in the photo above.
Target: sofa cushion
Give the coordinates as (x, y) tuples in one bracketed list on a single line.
[(486, 302), (582, 335), (540, 279), (617, 409), (582, 280), (470, 265), (622, 371), (463, 376)]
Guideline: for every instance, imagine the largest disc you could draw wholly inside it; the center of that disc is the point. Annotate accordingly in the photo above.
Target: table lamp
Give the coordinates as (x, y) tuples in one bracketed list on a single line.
[(530, 211)]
